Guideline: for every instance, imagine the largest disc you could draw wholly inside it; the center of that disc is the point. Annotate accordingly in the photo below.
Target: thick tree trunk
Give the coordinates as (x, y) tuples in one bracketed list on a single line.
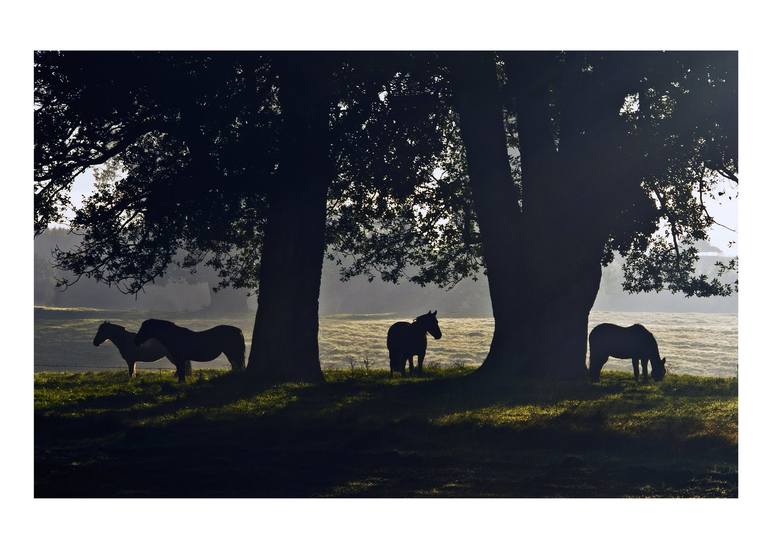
[(544, 332), (285, 341), (552, 323), (495, 197), (543, 275)]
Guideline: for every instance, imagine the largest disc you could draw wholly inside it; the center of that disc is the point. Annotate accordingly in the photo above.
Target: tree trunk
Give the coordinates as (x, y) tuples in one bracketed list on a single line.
[(552, 327), (285, 341), (543, 275)]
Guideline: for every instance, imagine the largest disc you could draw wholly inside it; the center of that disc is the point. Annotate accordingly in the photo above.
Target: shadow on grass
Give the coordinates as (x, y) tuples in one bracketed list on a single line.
[(362, 434)]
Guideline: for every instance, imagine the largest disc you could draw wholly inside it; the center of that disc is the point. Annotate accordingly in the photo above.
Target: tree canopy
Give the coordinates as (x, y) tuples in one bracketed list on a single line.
[(657, 131), (172, 137)]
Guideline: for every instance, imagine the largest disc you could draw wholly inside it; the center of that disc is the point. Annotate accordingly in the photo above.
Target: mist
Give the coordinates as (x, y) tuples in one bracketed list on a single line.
[(184, 292)]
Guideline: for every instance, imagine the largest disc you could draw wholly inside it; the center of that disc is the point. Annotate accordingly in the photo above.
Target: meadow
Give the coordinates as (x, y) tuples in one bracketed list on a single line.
[(362, 434), (694, 343), (97, 433)]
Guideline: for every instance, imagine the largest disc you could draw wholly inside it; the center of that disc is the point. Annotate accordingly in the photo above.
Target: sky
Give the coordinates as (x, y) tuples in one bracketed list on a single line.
[(725, 212)]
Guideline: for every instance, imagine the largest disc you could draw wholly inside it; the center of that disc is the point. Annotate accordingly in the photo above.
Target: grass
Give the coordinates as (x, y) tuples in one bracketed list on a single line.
[(698, 344), (362, 434)]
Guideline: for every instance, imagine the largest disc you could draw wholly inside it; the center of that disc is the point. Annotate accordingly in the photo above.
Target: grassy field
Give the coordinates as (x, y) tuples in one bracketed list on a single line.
[(695, 343), (361, 434)]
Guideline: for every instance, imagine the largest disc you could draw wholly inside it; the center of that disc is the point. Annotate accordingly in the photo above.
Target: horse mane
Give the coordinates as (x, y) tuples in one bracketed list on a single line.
[(161, 322), (422, 317)]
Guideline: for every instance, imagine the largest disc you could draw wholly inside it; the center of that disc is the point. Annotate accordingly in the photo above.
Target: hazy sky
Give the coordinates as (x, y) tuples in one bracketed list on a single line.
[(725, 213)]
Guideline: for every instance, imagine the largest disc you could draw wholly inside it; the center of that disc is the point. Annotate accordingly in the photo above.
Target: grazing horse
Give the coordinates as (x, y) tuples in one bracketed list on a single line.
[(150, 351), (634, 342), (186, 345), (406, 340)]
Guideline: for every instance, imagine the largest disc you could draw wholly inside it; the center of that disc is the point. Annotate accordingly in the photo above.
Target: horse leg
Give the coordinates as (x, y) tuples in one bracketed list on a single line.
[(182, 367), (237, 355), (635, 362), (411, 365), (235, 363), (131, 369), (595, 366), (420, 359), (644, 368), (187, 368)]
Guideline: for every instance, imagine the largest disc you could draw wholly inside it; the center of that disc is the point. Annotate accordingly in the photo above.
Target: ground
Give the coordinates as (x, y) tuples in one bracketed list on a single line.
[(362, 434)]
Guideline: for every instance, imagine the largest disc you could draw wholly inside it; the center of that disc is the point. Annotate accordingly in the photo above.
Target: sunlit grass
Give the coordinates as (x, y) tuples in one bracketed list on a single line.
[(363, 433), (696, 343)]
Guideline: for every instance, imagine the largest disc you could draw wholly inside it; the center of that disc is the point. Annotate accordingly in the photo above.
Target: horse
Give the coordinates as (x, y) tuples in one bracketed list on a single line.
[(408, 339), (185, 345), (635, 342), (150, 351)]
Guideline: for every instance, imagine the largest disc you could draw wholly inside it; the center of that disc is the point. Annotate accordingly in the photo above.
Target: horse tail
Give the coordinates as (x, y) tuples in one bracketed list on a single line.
[(235, 348)]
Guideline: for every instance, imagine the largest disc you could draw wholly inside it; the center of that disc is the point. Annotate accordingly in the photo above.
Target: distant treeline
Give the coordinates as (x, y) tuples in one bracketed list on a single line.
[(193, 292)]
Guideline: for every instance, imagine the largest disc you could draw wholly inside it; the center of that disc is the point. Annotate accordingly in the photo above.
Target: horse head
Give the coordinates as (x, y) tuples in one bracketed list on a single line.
[(658, 369), (429, 322), (102, 333)]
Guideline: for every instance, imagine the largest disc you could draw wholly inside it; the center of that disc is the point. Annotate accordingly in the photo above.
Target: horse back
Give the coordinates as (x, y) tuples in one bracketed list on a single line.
[(223, 331), (623, 342), (397, 332), (205, 345), (404, 338)]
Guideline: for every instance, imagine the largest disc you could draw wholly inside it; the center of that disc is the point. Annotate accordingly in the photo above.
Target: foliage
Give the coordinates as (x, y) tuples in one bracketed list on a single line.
[(186, 150), (185, 153), (640, 142), (173, 137), (685, 122), (400, 204)]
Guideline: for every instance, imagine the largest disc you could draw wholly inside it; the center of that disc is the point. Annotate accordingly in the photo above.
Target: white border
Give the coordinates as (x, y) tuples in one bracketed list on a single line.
[(395, 24)]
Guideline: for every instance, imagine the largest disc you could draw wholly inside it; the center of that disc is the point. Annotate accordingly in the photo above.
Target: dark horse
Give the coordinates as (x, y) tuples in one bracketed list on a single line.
[(634, 342), (185, 345), (149, 351), (406, 340)]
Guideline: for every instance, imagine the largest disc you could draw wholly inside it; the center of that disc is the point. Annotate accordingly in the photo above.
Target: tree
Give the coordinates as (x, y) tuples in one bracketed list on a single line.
[(535, 167), (591, 166), (327, 101), (569, 158), (189, 150), (285, 341), (223, 156)]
